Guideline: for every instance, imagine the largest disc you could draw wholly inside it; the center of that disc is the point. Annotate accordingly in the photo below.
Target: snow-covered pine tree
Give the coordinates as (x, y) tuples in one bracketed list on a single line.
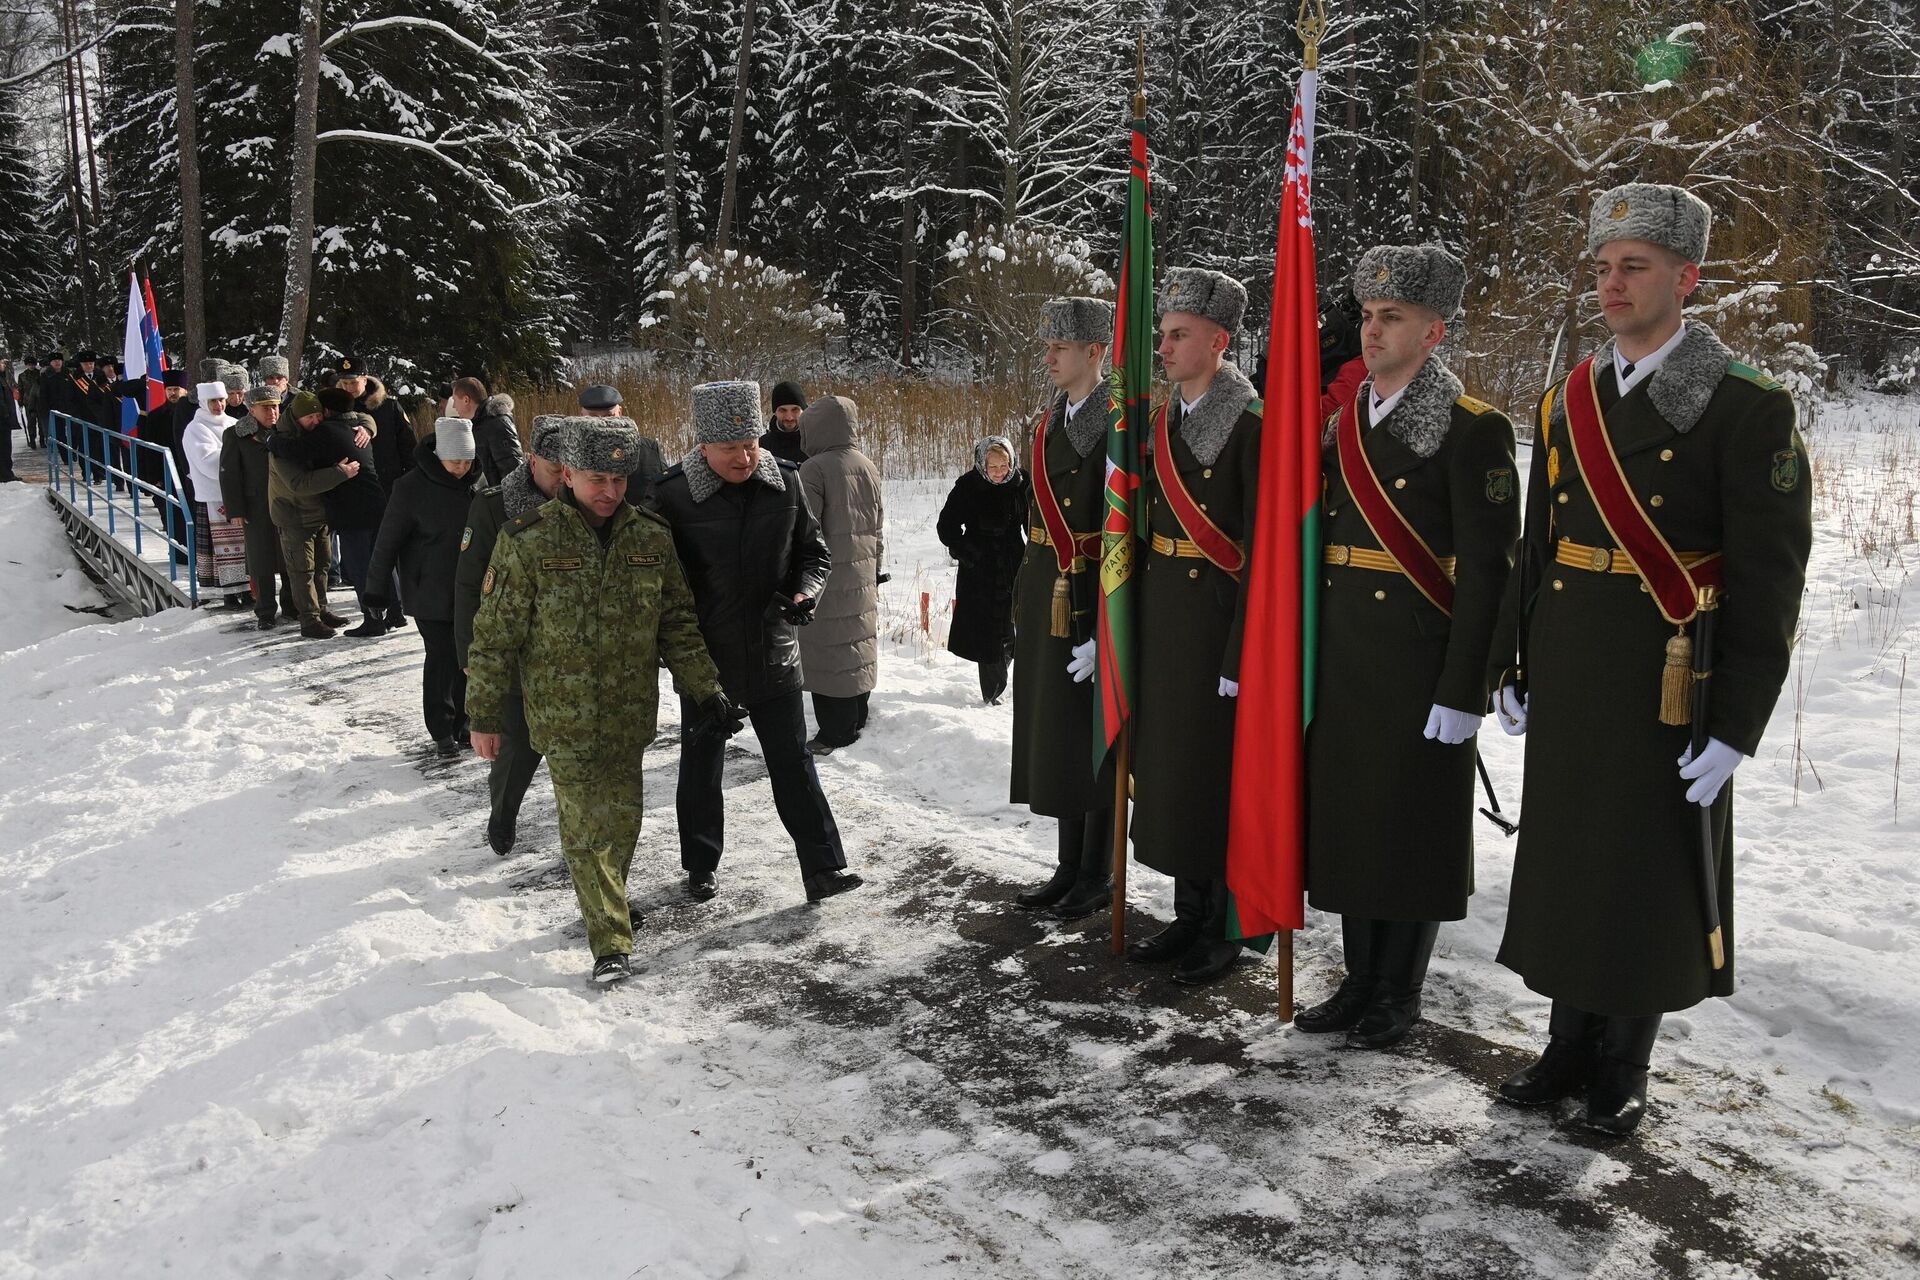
[(30, 268)]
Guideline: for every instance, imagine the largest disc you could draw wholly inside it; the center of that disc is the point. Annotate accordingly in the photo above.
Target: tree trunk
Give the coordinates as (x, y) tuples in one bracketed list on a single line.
[(731, 174), (86, 116), (193, 299), (82, 241), (306, 130), (909, 230), (669, 153)]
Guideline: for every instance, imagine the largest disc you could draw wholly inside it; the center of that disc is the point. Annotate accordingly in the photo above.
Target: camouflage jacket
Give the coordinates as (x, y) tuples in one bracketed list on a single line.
[(585, 628)]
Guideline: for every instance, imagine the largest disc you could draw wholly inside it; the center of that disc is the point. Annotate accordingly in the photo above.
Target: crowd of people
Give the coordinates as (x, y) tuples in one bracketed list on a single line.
[(1635, 618)]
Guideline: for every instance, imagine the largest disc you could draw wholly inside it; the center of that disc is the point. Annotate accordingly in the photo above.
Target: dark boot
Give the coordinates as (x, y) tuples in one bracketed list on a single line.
[(1211, 954), (1072, 834), (1617, 1098), (1344, 1007), (1565, 1068), (1190, 903), (1402, 960), (1093, 887)]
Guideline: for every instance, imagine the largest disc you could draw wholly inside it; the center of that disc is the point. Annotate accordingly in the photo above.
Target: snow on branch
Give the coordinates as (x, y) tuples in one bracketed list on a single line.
[(356, 29)]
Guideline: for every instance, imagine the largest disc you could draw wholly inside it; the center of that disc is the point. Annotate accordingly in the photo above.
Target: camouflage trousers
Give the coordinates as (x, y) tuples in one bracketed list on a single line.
[(600, 808)]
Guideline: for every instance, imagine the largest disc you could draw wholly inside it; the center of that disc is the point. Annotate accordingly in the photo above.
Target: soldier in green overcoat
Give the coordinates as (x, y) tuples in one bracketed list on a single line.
[(1200, 497), (1697, 460), (1400, 683), (1053, 612), (583, 600)]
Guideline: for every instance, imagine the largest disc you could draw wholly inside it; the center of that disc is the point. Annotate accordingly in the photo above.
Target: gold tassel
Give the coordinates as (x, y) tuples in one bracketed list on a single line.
[(1676, 680), (1062, 607)]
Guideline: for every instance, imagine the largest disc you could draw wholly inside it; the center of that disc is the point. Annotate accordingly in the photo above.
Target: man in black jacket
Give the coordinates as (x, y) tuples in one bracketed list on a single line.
[(494, 435), (755, 559), (782, 436), (392, 451)]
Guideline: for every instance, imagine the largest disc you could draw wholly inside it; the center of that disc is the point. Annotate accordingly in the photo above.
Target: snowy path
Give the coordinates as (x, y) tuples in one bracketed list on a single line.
[(272, 1009)]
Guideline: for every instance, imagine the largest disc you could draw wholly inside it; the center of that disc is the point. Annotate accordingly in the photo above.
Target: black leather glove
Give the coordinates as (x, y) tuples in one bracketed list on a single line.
[(883, 579), (717, 717), (798, 615)]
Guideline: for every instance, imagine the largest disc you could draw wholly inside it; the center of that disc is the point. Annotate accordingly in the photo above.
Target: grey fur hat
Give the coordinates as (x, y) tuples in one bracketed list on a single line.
[(1667, 216), (453, 439), (1207, 294), (1077, 320), (726, 411), (235, 376), (262, 394), (1423, 274), (549, 431), (212, 369), (600, 444), (274, 367)]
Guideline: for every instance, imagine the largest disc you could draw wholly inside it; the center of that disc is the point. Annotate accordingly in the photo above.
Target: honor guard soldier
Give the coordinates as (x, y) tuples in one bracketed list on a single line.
[(584, 598), (1421, 517), (1199, 488), (1667, 531), (1054, 600)]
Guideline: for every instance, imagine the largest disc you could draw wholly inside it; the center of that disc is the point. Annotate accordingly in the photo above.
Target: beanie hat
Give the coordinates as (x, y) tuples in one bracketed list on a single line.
[(303, 404), (206, 391), (726, 411), (785, 393), (453, 439)]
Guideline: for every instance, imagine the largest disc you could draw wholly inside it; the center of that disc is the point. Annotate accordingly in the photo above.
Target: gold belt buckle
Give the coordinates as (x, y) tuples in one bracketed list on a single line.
[(1339, 554), (1602, 559)]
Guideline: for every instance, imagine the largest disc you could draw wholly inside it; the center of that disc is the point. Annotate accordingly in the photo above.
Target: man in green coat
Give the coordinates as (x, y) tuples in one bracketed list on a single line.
[(1054, 598), (582, 601), (1201, 479), (244, 483), (520, 492), (1420, 517), (1661, 466)]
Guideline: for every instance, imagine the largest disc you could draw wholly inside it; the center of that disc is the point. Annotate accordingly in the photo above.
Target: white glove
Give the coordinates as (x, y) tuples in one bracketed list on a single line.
[(1450, 727), (1229, 688), (1710, 772), (1081, 668), (1510, 711)]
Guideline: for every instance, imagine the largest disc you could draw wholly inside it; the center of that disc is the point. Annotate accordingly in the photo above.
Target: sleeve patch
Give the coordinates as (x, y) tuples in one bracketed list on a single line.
[(466, 537), (1500, 486), (1785, 474), (486, 583)]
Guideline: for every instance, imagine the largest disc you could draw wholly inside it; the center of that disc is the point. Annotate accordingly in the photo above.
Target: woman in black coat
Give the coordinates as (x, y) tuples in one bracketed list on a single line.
[(420, 536), (981, 524)]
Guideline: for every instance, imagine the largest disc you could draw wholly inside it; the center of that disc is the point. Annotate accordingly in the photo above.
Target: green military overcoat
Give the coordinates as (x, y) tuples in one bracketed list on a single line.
[(1605, 910), (1390, 811)]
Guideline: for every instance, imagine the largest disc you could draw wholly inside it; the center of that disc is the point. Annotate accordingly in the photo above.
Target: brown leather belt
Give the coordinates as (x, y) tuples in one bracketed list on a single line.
[(1367, 558), (1612, 559)]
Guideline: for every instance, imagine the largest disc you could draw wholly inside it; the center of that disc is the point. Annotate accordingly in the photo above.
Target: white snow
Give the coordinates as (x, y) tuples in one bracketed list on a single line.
[(271, 1008)]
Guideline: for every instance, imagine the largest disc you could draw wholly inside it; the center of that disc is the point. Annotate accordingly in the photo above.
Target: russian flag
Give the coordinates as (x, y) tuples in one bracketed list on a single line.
[(142, 360)]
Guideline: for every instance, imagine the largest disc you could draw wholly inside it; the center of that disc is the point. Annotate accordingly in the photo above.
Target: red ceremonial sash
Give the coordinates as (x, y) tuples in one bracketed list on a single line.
[(1396, 537), (1674, 589), (1051, 517), (1214, 544)]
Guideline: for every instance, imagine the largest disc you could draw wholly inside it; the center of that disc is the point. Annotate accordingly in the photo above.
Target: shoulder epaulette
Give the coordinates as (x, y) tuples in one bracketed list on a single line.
[(488, 491), (790, 466), (678, 468), (1759, 378), (650, 514), (1475, 407), (1257, 407), (524, 521)]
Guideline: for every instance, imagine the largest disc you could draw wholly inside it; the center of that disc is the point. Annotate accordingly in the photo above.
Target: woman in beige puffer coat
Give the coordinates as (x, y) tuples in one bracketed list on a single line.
[(839, 649)]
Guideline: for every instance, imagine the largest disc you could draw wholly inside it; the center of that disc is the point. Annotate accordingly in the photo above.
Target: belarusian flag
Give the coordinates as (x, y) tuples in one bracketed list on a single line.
[(1266, 843), (1127, 426)]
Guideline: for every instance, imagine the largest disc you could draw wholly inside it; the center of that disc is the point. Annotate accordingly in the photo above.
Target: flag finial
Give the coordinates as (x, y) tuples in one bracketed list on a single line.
[(1312, 26)]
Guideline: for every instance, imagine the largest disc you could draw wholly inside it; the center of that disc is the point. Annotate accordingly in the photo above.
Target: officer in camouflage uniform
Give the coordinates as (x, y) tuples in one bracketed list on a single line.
[(583, 599), (1053, 708), (1703, 468), (520, 492)]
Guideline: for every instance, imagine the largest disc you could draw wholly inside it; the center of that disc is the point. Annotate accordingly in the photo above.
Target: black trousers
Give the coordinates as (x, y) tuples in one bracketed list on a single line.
[(840, 719), (780, 723), (356, 558), (443, 685), (513, 768), (993, 680)]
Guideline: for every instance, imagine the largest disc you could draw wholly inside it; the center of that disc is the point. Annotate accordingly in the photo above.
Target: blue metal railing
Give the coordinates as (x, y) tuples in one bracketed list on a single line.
[(98, 470)]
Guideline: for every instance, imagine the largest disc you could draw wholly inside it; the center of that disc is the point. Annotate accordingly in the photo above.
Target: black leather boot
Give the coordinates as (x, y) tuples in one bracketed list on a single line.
[(1190, 902), (1617, 1097), (1093, 886), (1341, 1010), (1566, 1067), (1072, 835), (1401, 959), (1211, 954)]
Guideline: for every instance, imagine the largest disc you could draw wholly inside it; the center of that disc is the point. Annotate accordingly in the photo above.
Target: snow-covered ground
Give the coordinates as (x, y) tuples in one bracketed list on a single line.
[(271, 1008)]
